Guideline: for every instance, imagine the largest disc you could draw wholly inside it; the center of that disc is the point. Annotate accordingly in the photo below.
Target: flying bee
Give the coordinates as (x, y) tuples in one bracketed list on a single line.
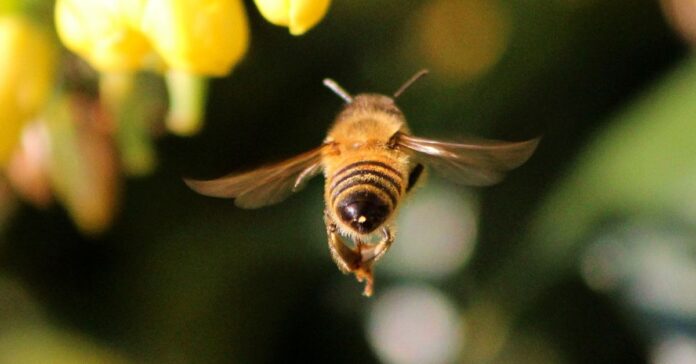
[(370, 161)]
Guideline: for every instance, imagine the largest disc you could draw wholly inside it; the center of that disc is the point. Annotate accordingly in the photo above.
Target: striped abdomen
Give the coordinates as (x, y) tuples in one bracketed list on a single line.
[(363, 194)]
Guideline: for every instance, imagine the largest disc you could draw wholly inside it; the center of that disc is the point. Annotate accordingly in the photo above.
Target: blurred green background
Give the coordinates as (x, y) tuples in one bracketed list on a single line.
[(586, 253)]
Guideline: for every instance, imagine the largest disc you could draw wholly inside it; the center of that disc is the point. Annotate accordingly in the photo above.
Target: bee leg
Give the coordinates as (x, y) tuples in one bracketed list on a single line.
[(377, 252), (369, 255), (346, 258), (356, 260), (350, 260), (364, 271)]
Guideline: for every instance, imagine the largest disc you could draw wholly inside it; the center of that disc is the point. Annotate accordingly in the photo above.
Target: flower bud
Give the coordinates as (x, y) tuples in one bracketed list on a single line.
[(298, 15), (27, 68), (203, 37), (82, 166)]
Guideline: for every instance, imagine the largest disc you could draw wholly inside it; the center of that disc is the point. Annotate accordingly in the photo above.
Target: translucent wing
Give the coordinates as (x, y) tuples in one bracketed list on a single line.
[(266, 185), (476, 162)]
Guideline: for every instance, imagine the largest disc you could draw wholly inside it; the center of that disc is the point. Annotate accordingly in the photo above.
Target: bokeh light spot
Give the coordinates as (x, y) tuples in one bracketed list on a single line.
[(651, 267), (436, 232), (415, 325), (677, 349), (682, 16), (461, 39)]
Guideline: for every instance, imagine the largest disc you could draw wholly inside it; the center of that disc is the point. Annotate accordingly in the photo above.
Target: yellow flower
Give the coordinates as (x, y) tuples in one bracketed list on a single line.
[(298, 15), (104, 32), (27, 68), (205, 37), (186, 39)]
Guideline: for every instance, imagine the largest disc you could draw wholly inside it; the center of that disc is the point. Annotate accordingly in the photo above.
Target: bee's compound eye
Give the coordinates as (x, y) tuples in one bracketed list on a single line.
[(364, 212)]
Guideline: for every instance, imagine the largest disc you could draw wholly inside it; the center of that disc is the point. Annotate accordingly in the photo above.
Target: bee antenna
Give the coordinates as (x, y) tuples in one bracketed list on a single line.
[(338, 90), (410, 82)]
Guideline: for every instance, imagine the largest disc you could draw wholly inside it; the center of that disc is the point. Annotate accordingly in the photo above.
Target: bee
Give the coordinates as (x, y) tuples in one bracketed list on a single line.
[(370, 161)]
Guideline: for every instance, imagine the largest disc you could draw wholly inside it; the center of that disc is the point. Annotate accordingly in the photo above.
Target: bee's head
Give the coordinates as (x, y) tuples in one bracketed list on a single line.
[(374, 103)]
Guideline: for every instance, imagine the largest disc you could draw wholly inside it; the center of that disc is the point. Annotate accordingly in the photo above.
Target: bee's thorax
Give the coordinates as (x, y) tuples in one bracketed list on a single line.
[(369, 119)]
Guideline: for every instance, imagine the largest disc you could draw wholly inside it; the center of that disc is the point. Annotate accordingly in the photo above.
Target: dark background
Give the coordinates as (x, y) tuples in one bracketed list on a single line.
[(184, 278)]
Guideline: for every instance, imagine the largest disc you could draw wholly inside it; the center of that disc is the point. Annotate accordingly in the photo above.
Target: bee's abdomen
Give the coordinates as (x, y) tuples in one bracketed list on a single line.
[(365, 193)]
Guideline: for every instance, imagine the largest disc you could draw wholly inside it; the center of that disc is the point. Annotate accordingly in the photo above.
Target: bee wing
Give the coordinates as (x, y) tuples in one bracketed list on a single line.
[(476, 162), (266, 185)]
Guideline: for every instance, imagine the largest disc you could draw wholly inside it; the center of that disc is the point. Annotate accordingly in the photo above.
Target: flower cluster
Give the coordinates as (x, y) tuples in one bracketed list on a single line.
[(74, 121)]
